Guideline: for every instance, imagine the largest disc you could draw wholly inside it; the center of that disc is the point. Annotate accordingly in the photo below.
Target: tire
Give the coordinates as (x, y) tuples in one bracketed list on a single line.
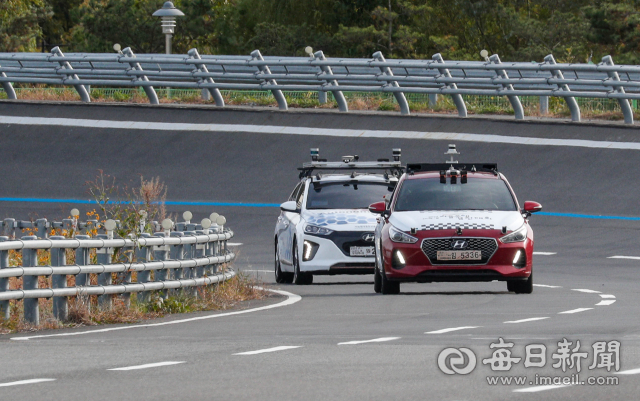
[(521, 287), (377, 280), (281, 277), (298, 277), (387, 287)]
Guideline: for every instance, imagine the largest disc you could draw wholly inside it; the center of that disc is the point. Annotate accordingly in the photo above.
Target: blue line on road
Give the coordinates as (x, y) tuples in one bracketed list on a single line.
[(243, 204), (173, 203), (587, 216)]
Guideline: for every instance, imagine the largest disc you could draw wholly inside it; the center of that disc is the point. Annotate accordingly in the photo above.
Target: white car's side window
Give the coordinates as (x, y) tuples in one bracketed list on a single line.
[(300, 197)]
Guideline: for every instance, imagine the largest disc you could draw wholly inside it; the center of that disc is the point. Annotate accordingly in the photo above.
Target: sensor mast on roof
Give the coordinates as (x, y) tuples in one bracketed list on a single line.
[(452, 151)]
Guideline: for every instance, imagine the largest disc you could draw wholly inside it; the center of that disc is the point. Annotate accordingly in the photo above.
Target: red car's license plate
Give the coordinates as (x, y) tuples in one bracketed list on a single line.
[(459, 255)]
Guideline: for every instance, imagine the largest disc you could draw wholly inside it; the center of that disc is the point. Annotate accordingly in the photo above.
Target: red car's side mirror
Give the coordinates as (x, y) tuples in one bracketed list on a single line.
[(378, 207), (532, 207)]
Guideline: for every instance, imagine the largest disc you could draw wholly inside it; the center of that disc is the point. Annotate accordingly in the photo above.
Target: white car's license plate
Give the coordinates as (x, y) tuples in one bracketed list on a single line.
[(459, 255), (361, 251)]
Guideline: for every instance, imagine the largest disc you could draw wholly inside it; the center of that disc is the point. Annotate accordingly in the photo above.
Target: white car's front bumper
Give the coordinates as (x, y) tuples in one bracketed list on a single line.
[(329, 259)]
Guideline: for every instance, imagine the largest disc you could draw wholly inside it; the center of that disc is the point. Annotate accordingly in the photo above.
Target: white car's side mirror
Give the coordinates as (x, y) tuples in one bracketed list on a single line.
[(289, 206)]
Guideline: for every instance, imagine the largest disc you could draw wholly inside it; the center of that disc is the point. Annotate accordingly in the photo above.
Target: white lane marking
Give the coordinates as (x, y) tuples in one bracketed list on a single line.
[(540, 388), (574, 311), (451, 329), (606, 302), (545, 253), (249, 270), (630, 372), (624, 257), (234, 243), (531, 319), (276, 129), (608, 296), (547, 286), (150, 365), (30, 381), (274, 349), (585, 290), (291, 299), (375, 340)]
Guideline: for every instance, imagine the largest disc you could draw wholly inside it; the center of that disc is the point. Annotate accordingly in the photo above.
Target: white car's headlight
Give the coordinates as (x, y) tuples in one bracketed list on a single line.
[(518, 235), (311, 229), (399, 236)]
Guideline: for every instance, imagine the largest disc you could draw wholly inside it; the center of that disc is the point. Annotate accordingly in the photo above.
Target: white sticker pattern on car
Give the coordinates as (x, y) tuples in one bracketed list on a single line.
[(323, 219), (453, 226)]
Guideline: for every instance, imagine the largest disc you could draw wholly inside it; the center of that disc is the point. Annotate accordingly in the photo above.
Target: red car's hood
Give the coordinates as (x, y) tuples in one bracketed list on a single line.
[(465, 220)]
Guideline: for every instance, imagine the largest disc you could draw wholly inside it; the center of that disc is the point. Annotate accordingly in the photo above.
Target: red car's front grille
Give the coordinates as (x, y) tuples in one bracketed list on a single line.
[(431, 246)]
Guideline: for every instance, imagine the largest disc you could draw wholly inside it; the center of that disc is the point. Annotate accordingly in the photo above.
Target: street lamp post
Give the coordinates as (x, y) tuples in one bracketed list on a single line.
[(168, 12)]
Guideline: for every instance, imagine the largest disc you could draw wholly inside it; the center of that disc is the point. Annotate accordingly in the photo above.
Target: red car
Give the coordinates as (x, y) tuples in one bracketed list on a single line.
[(453, 222)]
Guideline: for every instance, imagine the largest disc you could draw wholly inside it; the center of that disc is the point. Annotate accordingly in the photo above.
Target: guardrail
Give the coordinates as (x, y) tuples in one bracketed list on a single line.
[(318, 73), (181, 256)]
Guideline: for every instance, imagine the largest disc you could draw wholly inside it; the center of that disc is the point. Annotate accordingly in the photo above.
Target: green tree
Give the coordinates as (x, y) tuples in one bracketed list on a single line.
[(19, 24)]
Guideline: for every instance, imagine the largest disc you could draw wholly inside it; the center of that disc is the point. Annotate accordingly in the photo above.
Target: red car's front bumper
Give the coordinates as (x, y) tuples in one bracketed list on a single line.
[(418, 267)]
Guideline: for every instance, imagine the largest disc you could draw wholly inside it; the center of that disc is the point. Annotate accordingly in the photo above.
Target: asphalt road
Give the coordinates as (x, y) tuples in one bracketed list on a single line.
[(325, 330)]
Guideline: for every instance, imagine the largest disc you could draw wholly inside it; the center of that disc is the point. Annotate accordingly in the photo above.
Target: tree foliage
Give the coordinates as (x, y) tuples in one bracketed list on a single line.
[(573, 30)]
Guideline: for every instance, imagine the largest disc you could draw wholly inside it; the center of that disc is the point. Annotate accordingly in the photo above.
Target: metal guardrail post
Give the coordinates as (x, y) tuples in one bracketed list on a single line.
[(8, 88), (59, 258), (143, 255), (322, 97), (326, 71), (41, 226), (571, 101), (200, 252), (433, 100), (544, 105), (31, 306), (104, 258), (514, 100), (215, 92), (82, 91), (400, 98), (82, 259), (177, 253), (624, 103), (5, 306), (457, 99), (189, 251), (264, 70), (9, 228), (149, 90), (160, 254)]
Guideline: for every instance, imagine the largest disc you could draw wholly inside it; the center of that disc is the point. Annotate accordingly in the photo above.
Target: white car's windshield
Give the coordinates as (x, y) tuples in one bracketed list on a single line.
[(346, 195), (476, 194)]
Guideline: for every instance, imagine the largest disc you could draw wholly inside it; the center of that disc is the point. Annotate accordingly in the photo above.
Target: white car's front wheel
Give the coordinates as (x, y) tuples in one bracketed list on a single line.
[(281, 277)]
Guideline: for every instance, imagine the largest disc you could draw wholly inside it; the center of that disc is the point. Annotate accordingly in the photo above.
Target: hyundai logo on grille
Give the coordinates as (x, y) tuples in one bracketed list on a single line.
[(459, 244), (369, 237)]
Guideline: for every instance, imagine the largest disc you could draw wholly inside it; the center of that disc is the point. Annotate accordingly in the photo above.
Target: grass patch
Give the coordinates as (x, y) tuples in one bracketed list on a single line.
[(84, 310)]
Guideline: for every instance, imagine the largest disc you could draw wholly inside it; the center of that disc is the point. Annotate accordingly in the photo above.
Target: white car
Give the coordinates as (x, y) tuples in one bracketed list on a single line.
[(326, 227)]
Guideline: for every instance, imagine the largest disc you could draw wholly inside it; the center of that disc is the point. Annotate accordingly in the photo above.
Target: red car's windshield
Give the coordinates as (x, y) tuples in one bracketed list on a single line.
[(476, 194)]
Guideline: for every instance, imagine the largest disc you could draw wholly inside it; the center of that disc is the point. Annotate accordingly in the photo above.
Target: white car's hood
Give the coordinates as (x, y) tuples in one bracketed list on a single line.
[(466, 220), (342, 219)]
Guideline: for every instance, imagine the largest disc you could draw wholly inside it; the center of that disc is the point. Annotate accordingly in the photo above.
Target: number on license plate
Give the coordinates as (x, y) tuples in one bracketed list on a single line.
[(361, 251), (459, 255)]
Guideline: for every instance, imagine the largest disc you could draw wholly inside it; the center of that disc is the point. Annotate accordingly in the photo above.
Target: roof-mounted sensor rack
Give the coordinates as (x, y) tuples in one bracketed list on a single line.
[(353, 163), (448, 166)]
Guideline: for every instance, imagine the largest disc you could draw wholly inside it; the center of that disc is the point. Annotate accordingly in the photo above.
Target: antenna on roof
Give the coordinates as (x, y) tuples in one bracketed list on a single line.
[(315, 154), (452, 151), (397, 152)]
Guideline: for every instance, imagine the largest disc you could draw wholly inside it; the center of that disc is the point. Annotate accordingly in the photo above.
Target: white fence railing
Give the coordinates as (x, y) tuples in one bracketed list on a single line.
[(182, 256)]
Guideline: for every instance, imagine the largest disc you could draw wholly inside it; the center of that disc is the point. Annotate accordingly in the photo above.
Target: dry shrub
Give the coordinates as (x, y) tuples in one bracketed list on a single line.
[(84, 310)]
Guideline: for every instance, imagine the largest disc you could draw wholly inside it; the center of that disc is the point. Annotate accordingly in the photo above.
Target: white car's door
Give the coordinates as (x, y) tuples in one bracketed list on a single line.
[(287, 223)]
